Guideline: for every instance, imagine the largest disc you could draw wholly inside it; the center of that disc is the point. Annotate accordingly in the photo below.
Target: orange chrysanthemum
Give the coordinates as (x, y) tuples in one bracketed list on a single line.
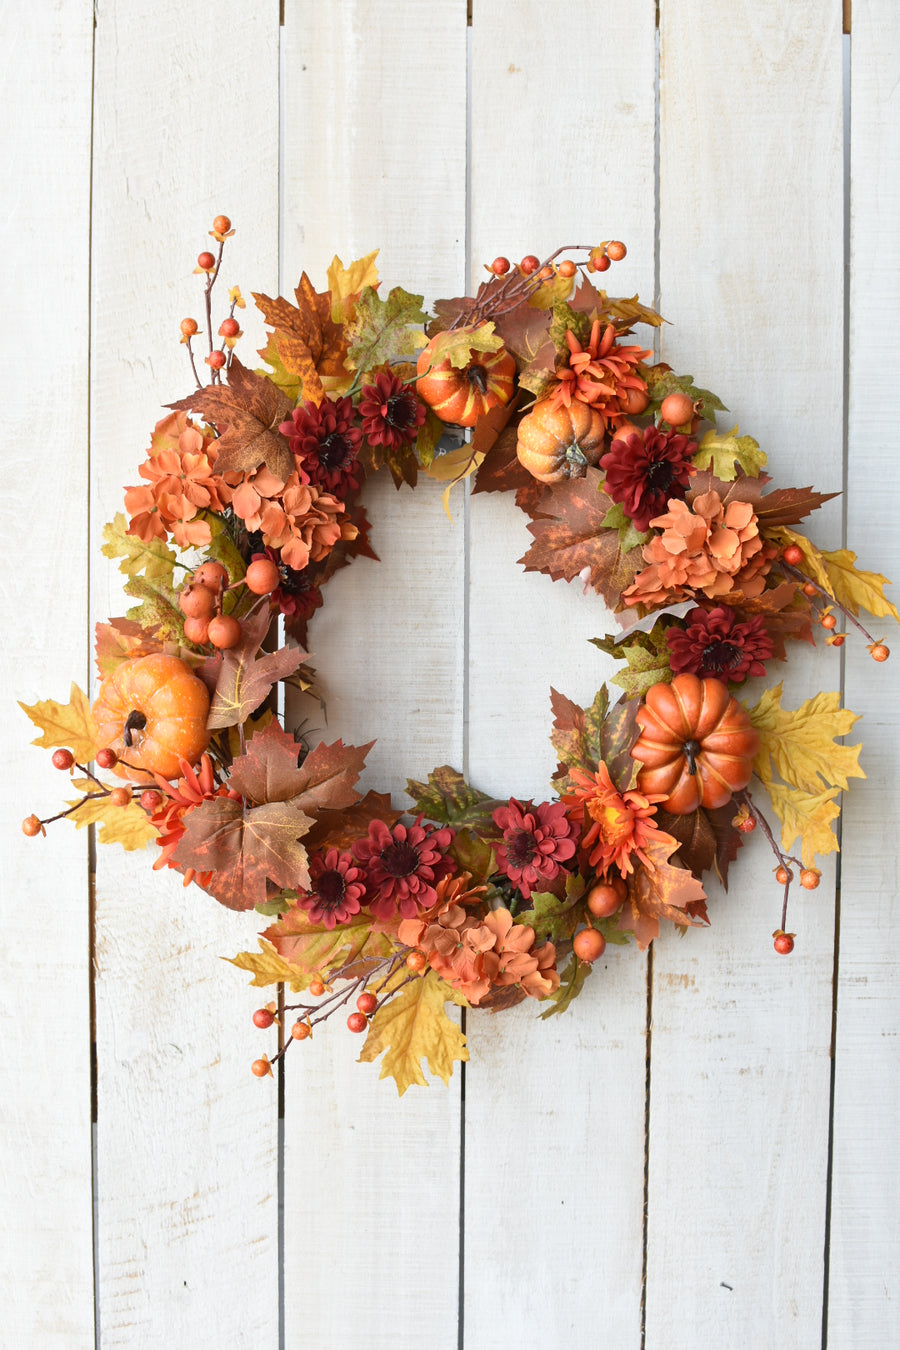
[(180, 470), (616, 824), (704, 549), (603, 375)]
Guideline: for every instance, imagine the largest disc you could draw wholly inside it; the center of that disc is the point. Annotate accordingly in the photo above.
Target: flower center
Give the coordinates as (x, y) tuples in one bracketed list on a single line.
[(335, 452), (398, 411), (660, 474), (330, 889), (614, 821), (399, 860), (721, 657), (521, 848)]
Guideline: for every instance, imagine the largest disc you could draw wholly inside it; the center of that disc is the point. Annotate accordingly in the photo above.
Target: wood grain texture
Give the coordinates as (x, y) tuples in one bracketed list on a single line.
[(750, 275), (554, 1110), (46, 1278), (372, 1182), (185, 125), (865, 1227)]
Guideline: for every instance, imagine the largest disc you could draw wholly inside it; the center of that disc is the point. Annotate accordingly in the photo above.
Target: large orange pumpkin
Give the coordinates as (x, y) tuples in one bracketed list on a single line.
[(556, 443), (152, 711), (462, 394), (697, 744)]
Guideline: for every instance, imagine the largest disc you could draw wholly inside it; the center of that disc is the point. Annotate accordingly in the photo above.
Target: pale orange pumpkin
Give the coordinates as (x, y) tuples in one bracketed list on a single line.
[(697, 744), (463, 394), (557, 443), (152, 711)]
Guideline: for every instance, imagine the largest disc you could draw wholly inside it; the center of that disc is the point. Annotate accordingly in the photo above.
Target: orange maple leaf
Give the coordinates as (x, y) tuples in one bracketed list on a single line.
[(310, 344)]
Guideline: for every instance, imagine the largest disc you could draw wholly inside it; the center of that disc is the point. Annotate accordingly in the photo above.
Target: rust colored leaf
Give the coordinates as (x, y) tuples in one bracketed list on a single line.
[(244, 677), (308, 341), (785, 506), (245, 847), (707, 838), (339, 829), (246, 413), (659, 891)]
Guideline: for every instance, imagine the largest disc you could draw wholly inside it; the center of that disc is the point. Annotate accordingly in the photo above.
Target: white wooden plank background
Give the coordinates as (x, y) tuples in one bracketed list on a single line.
[(521, 1204)]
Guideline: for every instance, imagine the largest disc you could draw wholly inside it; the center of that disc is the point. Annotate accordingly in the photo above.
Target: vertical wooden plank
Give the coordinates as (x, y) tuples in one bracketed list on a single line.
[(366, 1174), (186, 126), (751, 276), (46, 1285), (865, 1228), (562, 153)]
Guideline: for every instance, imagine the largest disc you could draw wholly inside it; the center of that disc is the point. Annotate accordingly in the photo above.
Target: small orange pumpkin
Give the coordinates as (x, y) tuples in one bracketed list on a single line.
[(697, 744), (462, 394), (557, 443), (152, 711)]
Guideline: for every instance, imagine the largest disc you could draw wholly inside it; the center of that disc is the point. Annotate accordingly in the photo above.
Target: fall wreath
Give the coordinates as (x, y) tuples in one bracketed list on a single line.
[(250, 501)]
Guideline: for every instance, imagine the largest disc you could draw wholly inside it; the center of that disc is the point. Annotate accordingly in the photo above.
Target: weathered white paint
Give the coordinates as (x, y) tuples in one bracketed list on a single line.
[(185, 111), (865, 1229), (372, 1182), (750, 274), (46, 1290), (372, 151)]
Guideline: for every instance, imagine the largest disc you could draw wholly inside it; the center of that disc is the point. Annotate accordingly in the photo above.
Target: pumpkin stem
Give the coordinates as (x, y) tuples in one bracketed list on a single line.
[(692, 749), (135, 721), (477, 375), (575, 455)]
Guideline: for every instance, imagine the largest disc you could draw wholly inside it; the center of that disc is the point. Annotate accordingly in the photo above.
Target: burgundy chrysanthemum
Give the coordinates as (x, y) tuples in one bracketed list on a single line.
[(325, 444), (297, 593), (536, 839), (644, 472), (391, 414), (337, 887), (715, 643), (403, 866)]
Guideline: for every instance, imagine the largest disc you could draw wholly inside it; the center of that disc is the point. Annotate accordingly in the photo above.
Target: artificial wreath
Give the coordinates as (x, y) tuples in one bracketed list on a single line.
[(250, 501)]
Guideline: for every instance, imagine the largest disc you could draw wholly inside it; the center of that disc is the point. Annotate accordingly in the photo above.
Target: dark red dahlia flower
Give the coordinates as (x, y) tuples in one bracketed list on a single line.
[(716, 643), (644, 472), (337, 887), (403, 866), (536, 839), (325, 444), (391, 414)]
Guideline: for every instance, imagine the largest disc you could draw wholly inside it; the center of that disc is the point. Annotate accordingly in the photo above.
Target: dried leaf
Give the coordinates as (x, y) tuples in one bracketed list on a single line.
[(658, 890), (412, 1026), (571, 982), (245, 847), (341, 828), (448, 799), (309, 343), (707, 838), (245, 678), (128, 825), (246, 413), (311, 949), (346, 283), (269, 771), (457, 346)]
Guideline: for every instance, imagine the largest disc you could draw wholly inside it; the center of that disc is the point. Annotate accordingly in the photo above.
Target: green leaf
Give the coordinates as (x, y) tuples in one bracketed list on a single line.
[(571, 983), (661, 383), (288, 381), (629, 536), (430, 433), (448, 799), (155, 559), (594, 717), (458, 344), (647, 657), (381, 330), (725, 454), (551, 917)]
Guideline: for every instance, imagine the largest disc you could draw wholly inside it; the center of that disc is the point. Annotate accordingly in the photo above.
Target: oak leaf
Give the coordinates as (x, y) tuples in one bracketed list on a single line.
[(551, 916), (245, 678), (413, 1026), (246, 413), (69, 725), (657, 890)]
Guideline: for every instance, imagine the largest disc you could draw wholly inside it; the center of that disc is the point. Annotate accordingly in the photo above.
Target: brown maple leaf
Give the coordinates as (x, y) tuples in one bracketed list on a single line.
[(706, 837), (245, 847), (309, 343), (246, 413), (245, 678), (658, 890), (569, 537), (269, 771), (340, 829), (785, 506)]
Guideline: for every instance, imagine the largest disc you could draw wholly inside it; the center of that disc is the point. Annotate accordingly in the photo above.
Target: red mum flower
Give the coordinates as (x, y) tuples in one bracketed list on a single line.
[(644, 472), (337, 887), (536, 839), (403, 866), (391, 414), (325, 444), (715, 643)]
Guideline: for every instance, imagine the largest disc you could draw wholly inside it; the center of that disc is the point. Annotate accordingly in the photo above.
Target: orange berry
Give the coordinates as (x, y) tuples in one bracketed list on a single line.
[(206, 262), (221, 224), (263, 1019), (216, 360), (367, 1003), (260, 1067), (31, 826), (879, 652), (529, 264), (316, 987), (357, 1021), (810, 878), (809, 589), (188, 327), (106, 758), (747, 824), (588, 945), (616, 250), (417, 960), (62, 759), (262, 576), (837, 640), (212, 575), (567, 268), (120, 796), (545, 273), (151, 800), (196, 602), (793, 555), (783, 876), (224, 631), (677, 409), (229, 328), (828, 621), (602, 264), (784, 943), (500, 266), (197, 631), (300, 1031), (603, 900)]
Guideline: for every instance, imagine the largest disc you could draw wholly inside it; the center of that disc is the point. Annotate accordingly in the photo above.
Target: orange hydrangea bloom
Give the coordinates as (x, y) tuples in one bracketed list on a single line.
[(304, 523), (180, 470), (616, 824), (706, 548)]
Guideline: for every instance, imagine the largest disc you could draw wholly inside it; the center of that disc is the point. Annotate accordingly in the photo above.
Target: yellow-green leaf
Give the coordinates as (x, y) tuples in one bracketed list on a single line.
[(553, 292), (807, 816), (311, 948), (857, 590), (412, 1026), (723, 454), (812, 564), (154, 559), (68, 725), (347, 282), (800, 743), (267, 967), (126, 825), (458, 344), (288, 381)]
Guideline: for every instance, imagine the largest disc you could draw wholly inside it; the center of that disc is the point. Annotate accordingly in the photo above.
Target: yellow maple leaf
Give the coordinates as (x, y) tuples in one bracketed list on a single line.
[(552, 292), (267, 967), (807, 816), (812, 559), (723, 454), (413, 1025), (128, 825), (346, 282), (154, 559), (800, 743), (855, 589), (68, 725)]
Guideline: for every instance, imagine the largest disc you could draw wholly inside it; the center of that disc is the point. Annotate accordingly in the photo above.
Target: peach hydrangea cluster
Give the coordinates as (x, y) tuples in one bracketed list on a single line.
[(181, 483)]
